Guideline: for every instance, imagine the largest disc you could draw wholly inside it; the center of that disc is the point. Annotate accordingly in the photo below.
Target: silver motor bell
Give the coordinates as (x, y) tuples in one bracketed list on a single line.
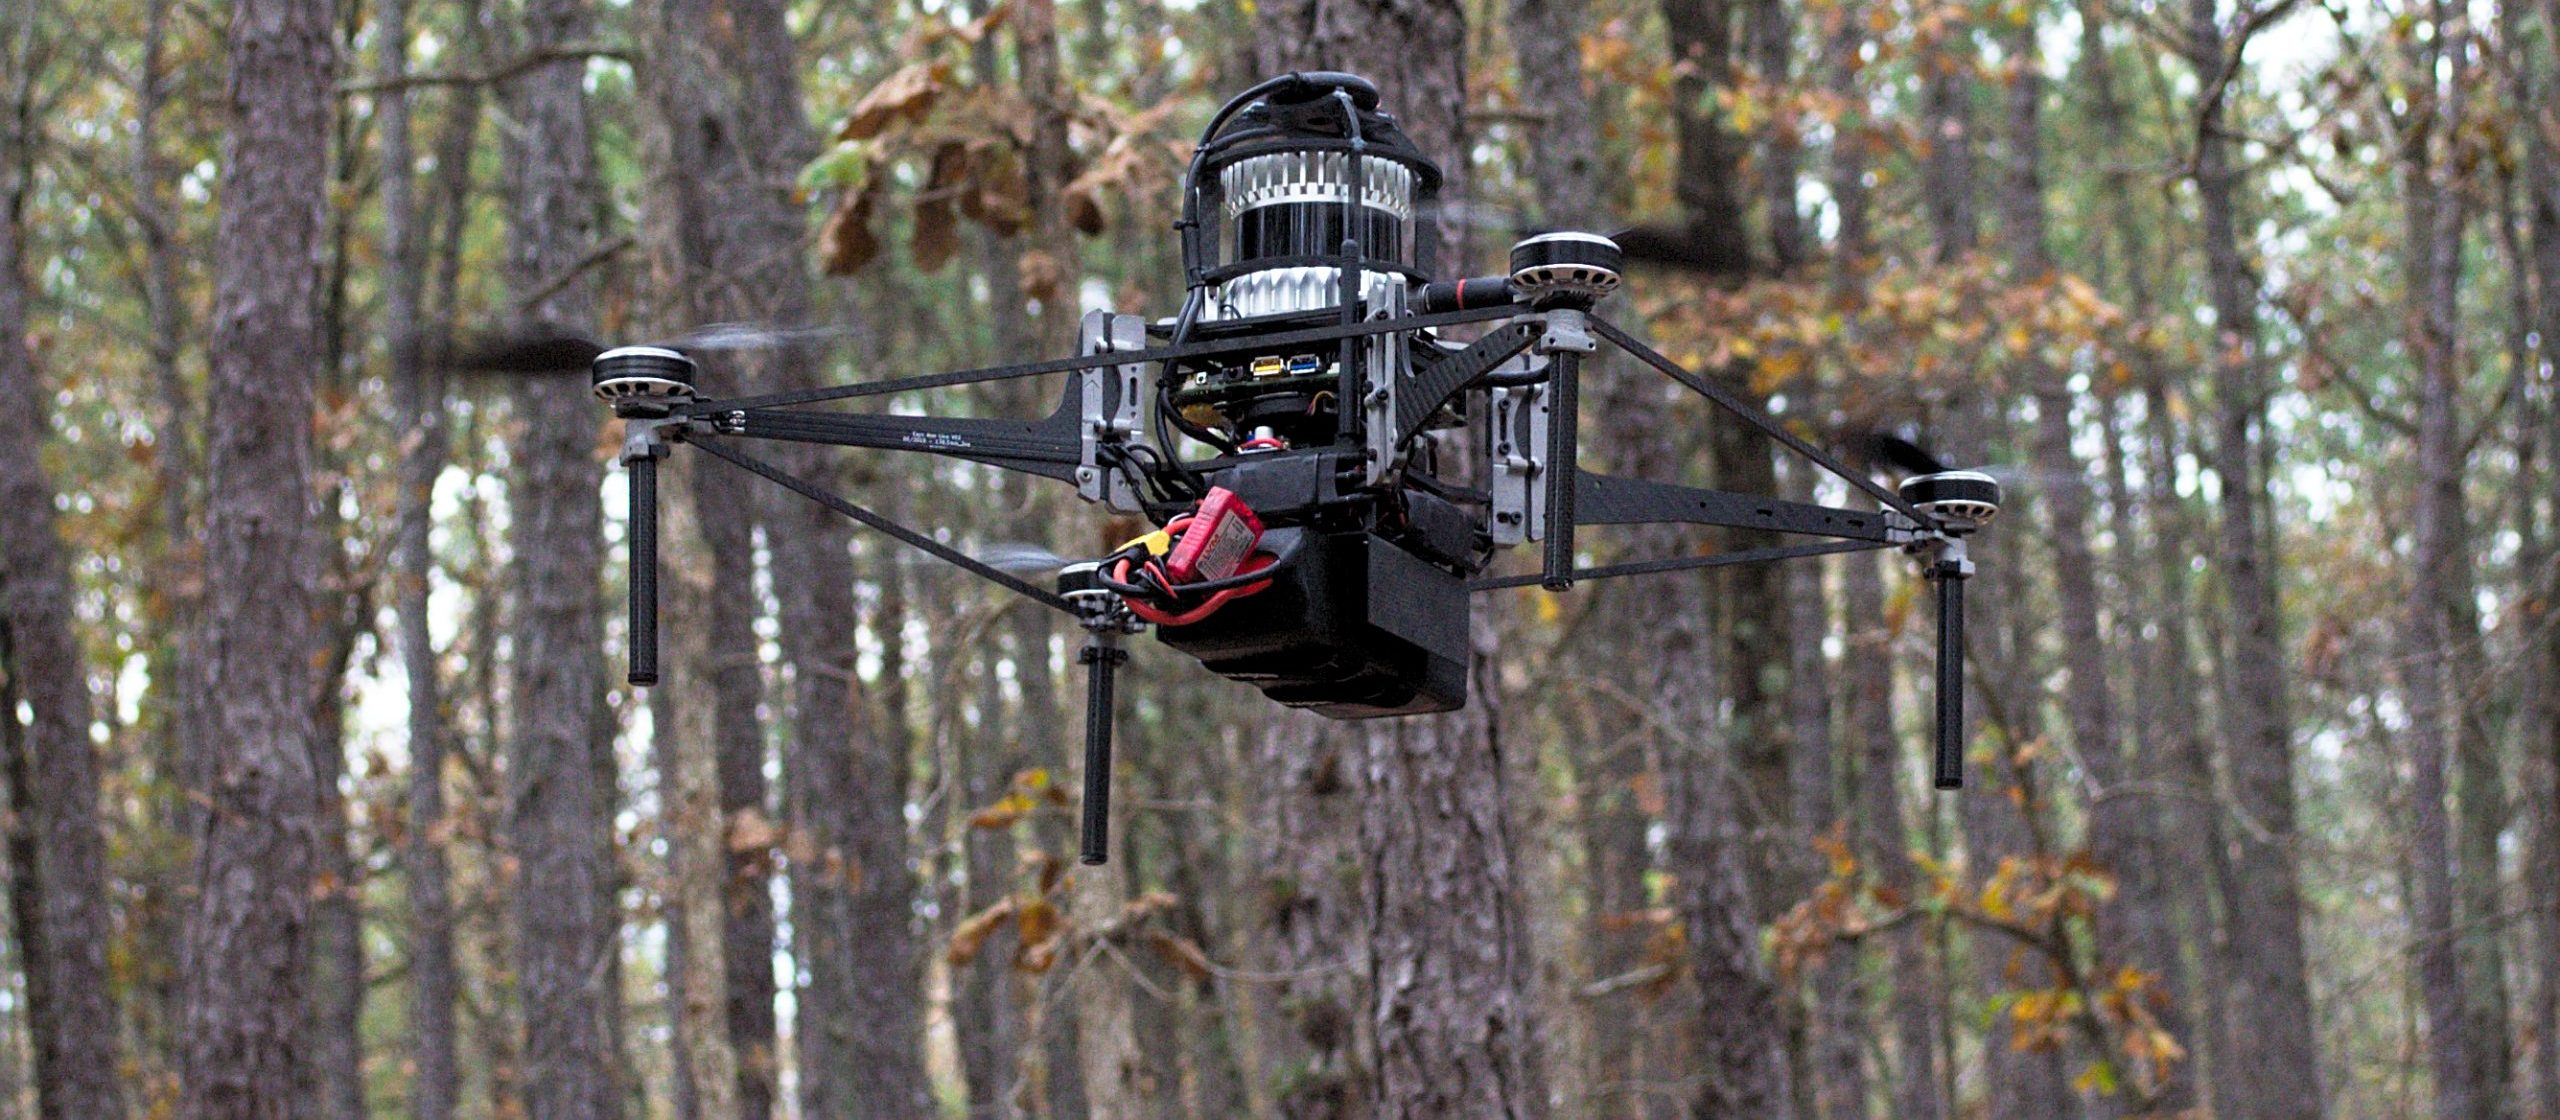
[(643, 380), (1964, 501)]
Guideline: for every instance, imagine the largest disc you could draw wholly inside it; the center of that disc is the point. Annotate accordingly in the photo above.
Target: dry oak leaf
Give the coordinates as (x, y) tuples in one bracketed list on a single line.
[(847, 243), (908, 94), (1039, 920), (1042, 275), (751, 831), (972, 934), (1182, 953)]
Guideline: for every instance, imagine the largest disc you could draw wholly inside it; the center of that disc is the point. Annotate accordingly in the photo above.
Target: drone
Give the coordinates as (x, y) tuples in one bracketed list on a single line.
[(1327, 551)]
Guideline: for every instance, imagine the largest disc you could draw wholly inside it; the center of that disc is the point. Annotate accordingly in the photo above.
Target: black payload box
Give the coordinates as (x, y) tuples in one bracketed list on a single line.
[(1355, 628)]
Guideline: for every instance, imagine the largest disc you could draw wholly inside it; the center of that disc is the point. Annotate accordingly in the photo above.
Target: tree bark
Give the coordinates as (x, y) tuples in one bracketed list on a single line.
[(434, 983), (1882, 839), (1564, 159), (77, 1052), (1885, 841), (337, 937), (2541, 742), (1447, 948), (2463, 1051), (554, 824), (246, 940), (687, 752), (863, 1009), (696, 128), (1446, 945), (2264, 970), (2136, 930), (26, 895), (1310, 894)]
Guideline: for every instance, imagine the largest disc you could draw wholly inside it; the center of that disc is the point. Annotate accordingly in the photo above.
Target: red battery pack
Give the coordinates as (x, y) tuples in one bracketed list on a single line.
[(1222, 533)]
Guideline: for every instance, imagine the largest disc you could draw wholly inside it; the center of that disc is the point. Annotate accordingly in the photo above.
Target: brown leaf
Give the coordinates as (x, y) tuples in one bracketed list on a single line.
[(978, 28), (937, 233), (951, 165), (1003, 813), (751, 831), (908, 94), (1040, 921), (1047, 870), (800, 847), (1042, 275), (998, 195), (1036, 959), (1084, 212), (971, 936), (1649, 796), (847, 243), (1182, 953)]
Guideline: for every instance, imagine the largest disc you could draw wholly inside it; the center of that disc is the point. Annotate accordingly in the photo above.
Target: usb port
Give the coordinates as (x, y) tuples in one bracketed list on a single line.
[(1303, 365), (1267, 367)]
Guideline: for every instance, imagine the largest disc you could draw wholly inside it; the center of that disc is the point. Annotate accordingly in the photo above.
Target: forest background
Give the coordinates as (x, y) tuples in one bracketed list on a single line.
[(324, 796)]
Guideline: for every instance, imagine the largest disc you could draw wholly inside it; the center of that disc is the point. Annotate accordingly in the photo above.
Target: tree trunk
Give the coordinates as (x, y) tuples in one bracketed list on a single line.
[(337, 937), (2264, 973), (863, 1010), (26, 895), (1882, 837), (2135, 931), (245, 957), (1885, 841), (695, 128), (2541, 739), (687, 752), (1564, 159), (1731, 801), (434, 983), (1309, 893), (156, 1005), (2172, 829), (554, 827), (1447, 954), (1446, 945), (77, 1051), (2461, 1049)]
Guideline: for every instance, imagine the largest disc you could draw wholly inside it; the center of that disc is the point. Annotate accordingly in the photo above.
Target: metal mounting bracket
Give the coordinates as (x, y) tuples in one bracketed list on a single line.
[(1112, 398), (1517, 431)]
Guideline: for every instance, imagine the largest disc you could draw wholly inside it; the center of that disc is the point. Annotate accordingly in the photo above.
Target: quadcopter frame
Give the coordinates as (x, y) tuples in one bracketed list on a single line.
[(1527, 366)]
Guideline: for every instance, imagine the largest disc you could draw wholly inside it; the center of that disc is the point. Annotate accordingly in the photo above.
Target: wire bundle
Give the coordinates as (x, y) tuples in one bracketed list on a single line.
[(1136, 572)]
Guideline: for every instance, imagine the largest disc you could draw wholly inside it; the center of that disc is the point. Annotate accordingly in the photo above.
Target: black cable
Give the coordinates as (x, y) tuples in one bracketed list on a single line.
[(1177, 592)]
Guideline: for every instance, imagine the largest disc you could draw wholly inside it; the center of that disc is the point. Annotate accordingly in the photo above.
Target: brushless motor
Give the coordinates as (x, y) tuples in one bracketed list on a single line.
[(642, 380), (1565, 269), (1967, 500)]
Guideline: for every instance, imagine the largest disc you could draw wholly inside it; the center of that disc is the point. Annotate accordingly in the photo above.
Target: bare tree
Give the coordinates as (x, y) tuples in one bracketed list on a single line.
[(2465, 1049), (77, 1047), (2264, 969), (555, 828), (245, 959)]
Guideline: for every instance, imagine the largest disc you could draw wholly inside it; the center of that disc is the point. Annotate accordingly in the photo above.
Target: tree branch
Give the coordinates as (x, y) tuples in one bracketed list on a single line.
[(515, 67)]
